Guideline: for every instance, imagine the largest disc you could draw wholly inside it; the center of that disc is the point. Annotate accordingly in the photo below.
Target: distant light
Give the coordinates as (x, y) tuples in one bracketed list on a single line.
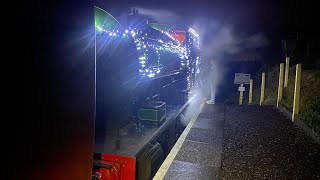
[(127, 31), (151, 75)]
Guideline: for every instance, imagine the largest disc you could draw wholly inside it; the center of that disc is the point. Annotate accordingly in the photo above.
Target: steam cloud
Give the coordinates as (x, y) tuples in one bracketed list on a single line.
[(218, 40), (159, 15)]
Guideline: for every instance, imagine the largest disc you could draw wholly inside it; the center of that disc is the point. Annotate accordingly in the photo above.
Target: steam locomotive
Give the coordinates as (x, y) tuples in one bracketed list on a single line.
[(145, 79)]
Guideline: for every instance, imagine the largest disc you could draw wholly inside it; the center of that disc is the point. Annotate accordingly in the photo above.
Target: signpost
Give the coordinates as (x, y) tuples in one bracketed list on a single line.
[(240, 78)]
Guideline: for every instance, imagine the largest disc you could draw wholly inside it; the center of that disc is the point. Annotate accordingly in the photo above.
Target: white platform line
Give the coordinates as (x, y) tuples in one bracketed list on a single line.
[(174, 151)]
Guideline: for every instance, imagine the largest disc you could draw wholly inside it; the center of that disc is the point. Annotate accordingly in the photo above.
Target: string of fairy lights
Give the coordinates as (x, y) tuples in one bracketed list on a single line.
[(164, 42)]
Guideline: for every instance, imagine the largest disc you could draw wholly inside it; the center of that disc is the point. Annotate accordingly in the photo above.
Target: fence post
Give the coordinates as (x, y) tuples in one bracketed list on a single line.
[(250, 91), (296, 99), (280, 86), (241, 95), (263, 82), (286, 75)]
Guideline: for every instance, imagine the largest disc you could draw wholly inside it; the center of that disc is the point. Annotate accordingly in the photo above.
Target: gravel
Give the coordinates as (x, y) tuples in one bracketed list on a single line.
[(259, 142)]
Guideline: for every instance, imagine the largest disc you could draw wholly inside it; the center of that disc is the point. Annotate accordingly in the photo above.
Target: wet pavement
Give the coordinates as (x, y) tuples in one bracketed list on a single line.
[(200, 155), (248, 142)]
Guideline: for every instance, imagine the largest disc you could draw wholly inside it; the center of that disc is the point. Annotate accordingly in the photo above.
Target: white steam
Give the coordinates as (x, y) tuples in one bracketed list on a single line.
[(159, 15), (256, 41), (219, 40)]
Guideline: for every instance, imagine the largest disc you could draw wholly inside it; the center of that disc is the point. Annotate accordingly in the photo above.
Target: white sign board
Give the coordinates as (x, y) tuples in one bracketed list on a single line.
[(242, 88), (240, 78)]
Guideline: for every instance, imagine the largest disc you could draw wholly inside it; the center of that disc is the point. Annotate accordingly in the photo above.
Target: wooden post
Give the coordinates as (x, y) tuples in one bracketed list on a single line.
[(296, 99), (263, 82), (280, 86), (250, 91), (286, 75), (241, 95)]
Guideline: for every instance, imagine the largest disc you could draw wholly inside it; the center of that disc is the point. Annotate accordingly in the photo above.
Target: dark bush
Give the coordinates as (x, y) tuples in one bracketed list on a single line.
[(312, 114)]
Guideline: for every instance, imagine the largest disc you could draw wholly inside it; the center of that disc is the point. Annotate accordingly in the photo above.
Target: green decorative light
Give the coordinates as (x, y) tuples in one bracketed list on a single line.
[(106, 23)]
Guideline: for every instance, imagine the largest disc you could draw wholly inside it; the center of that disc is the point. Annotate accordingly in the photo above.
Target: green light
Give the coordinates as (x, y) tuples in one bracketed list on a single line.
[(104, 21)]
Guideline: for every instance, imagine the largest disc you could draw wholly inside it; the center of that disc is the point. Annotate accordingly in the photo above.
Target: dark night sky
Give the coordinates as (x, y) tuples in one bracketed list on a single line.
[(265, 14), (275, 19)]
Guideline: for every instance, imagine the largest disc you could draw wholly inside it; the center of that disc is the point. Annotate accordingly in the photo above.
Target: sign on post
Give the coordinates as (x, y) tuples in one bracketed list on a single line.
[(240, 78), (242, 88)]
